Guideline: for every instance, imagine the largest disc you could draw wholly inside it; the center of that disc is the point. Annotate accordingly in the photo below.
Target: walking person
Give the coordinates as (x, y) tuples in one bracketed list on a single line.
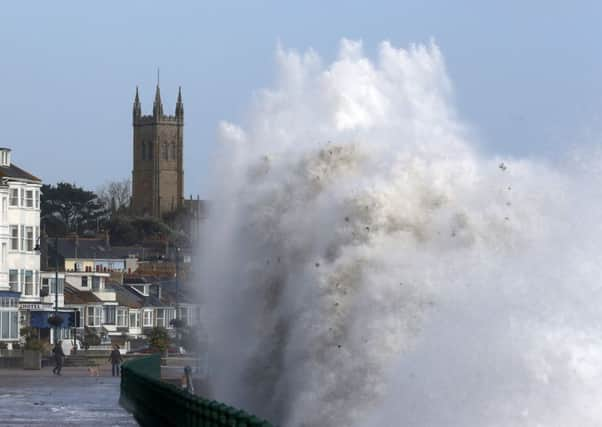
[(115, 359), (58, 358)]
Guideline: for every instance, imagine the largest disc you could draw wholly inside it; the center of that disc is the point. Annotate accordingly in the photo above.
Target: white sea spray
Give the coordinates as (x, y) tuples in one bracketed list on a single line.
[(363, 264)]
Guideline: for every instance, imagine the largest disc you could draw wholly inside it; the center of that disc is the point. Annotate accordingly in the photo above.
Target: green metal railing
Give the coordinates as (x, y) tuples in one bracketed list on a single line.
[(156, 403)]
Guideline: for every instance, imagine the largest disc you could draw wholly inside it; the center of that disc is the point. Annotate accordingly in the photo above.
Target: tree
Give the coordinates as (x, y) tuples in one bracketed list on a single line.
[(158, 339), (69, 208), (116, 195)]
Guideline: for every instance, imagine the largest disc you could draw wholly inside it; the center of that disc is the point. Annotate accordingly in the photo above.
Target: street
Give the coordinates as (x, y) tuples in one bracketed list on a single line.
[(31, 398)]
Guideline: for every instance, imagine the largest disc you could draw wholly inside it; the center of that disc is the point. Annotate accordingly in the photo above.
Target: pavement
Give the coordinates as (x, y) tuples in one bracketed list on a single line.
[(35, 398)]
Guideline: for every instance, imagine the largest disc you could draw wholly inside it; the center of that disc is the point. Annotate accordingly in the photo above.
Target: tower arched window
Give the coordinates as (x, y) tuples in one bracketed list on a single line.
[(173, 151), (164, 152), (149, 152), (143, 150)]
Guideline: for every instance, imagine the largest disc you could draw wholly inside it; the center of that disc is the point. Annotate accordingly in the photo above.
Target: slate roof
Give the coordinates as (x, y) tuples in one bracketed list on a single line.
[(75, 296), (126, 298), (69, 247), (15, 172)]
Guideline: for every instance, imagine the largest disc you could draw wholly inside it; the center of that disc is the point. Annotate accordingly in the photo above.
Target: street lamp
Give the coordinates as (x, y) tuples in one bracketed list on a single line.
[(56, 284)]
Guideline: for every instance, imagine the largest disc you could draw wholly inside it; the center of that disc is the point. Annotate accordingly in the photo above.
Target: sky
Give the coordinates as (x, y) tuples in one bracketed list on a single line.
[(527, 76)]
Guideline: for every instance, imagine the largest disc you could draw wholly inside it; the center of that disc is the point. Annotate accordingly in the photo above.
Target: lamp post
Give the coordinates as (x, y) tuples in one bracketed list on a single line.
[(56, 282), (177, 273), (56, 287)]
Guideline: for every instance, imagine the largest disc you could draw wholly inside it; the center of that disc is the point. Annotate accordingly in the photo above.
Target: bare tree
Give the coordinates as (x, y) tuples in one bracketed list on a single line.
[(116, 194)]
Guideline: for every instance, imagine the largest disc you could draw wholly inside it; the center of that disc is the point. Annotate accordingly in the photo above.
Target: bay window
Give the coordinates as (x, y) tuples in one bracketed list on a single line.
[(170, 314), (109, 314), (134, 319), (122, 317), (94, 316), (147, 320), (160, 315)]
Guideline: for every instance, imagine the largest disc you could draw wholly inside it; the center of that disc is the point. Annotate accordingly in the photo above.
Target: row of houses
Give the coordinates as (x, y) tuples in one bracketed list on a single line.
[(94, 288)]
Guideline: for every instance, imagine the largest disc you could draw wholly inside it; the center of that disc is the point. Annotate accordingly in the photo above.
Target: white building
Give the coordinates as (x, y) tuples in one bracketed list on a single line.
[(19, 235)]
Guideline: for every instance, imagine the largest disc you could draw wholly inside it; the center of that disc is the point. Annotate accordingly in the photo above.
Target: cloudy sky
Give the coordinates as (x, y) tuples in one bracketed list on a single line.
[(527, 75)]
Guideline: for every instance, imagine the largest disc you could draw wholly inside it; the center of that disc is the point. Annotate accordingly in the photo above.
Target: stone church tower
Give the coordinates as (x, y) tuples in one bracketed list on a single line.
[(158, 175)]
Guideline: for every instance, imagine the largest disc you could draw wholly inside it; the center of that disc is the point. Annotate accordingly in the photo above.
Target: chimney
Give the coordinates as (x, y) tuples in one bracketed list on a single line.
[(4, 157)]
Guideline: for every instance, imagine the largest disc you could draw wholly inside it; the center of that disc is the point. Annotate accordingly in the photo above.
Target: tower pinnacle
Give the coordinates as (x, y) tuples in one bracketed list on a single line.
[(137, 110), (179, 104), (158, 105)]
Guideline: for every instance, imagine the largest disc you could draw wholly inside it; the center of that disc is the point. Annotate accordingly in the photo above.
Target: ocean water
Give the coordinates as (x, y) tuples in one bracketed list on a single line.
[(364, 263)]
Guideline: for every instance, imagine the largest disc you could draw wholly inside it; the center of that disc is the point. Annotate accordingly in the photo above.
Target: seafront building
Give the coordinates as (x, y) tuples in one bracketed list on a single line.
[(19, 259)]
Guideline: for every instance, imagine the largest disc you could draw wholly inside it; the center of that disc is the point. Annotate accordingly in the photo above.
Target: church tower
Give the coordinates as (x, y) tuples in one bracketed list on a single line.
[(158, 175)]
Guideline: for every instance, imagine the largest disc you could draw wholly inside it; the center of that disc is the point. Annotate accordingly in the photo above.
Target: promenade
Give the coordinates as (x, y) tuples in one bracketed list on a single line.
[(36, 398)]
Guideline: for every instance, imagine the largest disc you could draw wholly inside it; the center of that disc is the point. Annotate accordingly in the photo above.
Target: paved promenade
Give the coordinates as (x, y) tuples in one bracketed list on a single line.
[(36, 398)]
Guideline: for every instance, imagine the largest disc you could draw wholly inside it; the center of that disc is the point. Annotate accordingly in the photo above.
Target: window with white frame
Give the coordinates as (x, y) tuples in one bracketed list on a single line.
[(28, 283), (14, 237), (29, 198), (22, 197), (9, 324), (37, 199), (13, 280), (160, 316), (122, 317), (95, 283), (14, 197), (170, 314), (109, 314), (22, 247), (147, 319), (134, 319), (29, 239), (94, 316)]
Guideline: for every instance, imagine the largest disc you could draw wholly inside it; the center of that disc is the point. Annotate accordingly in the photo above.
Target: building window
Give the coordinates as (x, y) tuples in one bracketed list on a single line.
[(29, 239), (173, 151), (49, 288), (109, 314), (9, 324), (160, 315), (37, 198), (94, 316), (84, 281), (14, 197), (22, 197), (28, 288), (170, 314), (164, 151), (95, 283), (13, 280), (14, 237), (134, 319), (29, 198), (122, 317), (22, 238), (148, 318)]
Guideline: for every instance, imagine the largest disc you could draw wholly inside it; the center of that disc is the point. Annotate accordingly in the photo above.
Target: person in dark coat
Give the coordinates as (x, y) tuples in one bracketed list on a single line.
[(115, 359), (58, 358)]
